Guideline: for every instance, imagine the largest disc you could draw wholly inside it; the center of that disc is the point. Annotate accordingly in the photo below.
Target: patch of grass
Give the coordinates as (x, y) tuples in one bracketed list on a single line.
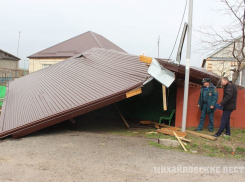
[(237, 131), (222, 147), (211, 154), (194, 145), (155, 144), (239, 156), (188, 147), (241, 139), (152, 135), (212, 149), (228, 149), (158, 135), (240, 149), (227, 137), (206, 146)]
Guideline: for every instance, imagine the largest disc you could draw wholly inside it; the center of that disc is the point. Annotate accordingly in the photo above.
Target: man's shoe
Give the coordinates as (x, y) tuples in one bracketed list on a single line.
[(211, 130), (197, 130), (216, 135), (225, 134)]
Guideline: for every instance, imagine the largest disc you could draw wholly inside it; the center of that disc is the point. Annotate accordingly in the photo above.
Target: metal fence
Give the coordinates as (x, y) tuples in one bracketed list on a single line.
[(7, 75)]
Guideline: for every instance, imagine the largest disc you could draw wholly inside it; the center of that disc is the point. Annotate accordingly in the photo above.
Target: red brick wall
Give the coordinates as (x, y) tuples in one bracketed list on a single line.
[(237, 119)]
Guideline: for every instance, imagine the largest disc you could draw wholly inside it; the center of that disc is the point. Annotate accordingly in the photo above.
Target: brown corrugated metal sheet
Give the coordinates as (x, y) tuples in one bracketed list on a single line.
[(77, 45), (68, 89), (196, 74)]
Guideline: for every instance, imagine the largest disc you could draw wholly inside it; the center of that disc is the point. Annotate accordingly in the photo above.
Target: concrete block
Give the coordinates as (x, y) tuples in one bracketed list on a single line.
[(168, 142)]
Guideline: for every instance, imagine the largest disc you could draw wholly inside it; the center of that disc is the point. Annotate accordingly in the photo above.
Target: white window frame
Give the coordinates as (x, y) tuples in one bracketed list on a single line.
[(46, 65)]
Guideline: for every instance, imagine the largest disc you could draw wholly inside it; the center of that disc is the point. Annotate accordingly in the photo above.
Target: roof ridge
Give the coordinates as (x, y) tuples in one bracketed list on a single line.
[(96, 40), (224, 46), (9, 54), (59, 43)]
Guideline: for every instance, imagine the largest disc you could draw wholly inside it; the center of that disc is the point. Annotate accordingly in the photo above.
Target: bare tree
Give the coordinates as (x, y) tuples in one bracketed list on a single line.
[(230, 37)]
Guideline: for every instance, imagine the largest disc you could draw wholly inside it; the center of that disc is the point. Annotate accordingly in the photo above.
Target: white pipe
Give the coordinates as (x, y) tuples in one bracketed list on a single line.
[(187, 67)]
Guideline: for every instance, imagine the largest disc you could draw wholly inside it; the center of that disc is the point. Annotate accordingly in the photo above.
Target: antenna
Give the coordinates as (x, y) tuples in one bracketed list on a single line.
[(18, 44), (158, 45)]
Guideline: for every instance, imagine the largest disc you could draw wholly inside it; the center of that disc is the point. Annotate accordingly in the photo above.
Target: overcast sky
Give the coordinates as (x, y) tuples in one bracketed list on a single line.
[(133, 25)]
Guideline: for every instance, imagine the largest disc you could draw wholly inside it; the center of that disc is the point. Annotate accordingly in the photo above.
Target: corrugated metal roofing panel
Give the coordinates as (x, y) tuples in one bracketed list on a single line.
[(196, 74), (76, 45), (57, 92)]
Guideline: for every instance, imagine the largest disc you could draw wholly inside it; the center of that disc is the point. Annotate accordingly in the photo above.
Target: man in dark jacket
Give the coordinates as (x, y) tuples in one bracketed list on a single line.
[(207, 101), (229, 104)]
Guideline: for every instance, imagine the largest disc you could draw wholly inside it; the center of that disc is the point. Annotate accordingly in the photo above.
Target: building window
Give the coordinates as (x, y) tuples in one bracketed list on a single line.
[(46, 65)]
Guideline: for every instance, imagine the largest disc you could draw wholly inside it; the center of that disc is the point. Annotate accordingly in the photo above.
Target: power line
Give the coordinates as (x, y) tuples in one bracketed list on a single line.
[(178, 31)]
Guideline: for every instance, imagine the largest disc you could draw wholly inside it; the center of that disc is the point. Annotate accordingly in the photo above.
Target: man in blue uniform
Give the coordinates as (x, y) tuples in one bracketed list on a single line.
[(207, 101)]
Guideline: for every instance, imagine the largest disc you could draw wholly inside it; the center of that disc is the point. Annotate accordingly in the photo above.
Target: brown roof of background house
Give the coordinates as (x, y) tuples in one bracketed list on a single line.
[(6, 55), (77, 45), (69, 88)]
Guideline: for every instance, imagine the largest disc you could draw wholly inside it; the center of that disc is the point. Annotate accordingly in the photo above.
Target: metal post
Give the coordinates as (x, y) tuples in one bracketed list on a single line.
[(187, 67), (18, 45), (158, 45), (25, 67)]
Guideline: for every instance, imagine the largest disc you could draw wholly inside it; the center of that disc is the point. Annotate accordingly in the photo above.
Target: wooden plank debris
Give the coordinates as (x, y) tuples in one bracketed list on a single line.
[(162, 125), (156, 126), (72, 120), (173, 129), (184, 139), (145, 59), (133, 92), (145, 122), (122, 116), (179, 141), (200, 134), (170, 132), (164, 98), (151, 132), (187, 131)]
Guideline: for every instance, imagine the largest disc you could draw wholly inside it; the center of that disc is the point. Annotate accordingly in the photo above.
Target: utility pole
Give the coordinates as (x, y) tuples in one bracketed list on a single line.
[(18, 44), (25, 67), (187, 67), (159, 42)]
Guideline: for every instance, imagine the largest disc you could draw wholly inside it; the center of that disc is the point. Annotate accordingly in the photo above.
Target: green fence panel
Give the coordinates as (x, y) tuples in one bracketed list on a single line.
[(2, 94)]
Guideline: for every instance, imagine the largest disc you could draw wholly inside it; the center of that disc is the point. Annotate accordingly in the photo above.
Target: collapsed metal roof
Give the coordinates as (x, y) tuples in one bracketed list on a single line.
[(196, 74), (75, 86), (80, 84), (76, 45)]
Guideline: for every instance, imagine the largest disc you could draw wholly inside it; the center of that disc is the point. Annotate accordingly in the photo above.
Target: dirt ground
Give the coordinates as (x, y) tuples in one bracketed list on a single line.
[(84, 151)]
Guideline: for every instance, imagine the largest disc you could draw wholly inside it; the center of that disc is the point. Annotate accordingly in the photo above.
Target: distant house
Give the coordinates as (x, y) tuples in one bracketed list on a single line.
[(222, 62), (69, 48), (9, 64)]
